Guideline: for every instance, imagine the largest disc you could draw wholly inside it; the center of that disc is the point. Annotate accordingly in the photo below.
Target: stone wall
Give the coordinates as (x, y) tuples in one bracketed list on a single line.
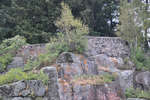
[(111, 46)]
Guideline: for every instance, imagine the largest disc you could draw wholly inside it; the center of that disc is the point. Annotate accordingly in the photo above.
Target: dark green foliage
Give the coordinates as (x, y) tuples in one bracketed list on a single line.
[(96, 14), (33, 19)]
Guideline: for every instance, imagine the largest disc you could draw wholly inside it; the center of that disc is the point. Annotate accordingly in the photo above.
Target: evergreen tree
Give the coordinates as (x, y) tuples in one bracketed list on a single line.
[(99, 15), (33, 19)]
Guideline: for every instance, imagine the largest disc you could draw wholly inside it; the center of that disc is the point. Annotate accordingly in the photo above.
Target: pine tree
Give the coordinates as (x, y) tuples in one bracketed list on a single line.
[(73, 29)]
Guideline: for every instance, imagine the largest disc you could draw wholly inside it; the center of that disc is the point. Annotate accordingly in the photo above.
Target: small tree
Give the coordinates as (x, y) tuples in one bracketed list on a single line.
[(73, 29), (128, 29)]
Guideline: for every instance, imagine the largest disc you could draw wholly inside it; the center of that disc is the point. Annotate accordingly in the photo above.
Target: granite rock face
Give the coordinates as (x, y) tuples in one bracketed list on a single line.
[(32, 89), (23, 89), (104, 55)]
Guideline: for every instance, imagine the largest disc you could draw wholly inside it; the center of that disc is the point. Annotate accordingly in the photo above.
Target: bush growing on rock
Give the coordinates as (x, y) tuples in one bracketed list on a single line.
[(137, 93), (17, 74), (140, 59), (73, 31), (94, 79), (8, 49)]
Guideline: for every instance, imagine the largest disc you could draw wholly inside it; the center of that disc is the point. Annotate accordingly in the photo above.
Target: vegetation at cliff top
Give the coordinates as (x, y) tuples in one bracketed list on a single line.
[(8, 49)]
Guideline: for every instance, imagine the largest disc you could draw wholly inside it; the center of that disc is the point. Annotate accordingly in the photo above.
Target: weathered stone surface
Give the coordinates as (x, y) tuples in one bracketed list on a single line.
[(41, 98), (92, 92), (143, 80), (135, 99), (52, 92), (96, 65), (35, 89), (26, 52), (17, 62), (126, 79), (104, 55), (24, 89), (16, 98), (66, 57), (19, 98), (31, 51)]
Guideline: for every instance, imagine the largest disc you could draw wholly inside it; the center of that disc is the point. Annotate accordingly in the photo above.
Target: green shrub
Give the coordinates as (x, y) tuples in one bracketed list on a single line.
[(8, 49), (137, 93), (73, 30), (94, 79), (4, 61), (12, 44), (140, 59), (17, 74)]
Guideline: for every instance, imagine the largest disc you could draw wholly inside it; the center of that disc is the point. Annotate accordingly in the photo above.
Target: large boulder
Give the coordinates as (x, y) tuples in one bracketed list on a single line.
[(142, 80), (71, 66)]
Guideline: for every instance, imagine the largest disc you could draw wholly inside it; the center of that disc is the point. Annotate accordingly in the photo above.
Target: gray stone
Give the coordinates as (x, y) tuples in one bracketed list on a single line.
[(135, 99), (20, 98), (18, 87), (41, 98), (23, 89), (25, 93), (17, 62), (126, 79), (16, 98), (67, 57), (53, 93), (36, 87), (143, 80), (114, 47)]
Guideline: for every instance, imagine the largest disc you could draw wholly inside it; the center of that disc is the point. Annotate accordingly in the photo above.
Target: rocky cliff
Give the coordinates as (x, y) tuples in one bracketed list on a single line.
[(103, 72)]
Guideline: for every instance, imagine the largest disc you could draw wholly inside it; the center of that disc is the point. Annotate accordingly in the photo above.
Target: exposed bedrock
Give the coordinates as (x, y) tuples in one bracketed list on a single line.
[(79, 77)]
